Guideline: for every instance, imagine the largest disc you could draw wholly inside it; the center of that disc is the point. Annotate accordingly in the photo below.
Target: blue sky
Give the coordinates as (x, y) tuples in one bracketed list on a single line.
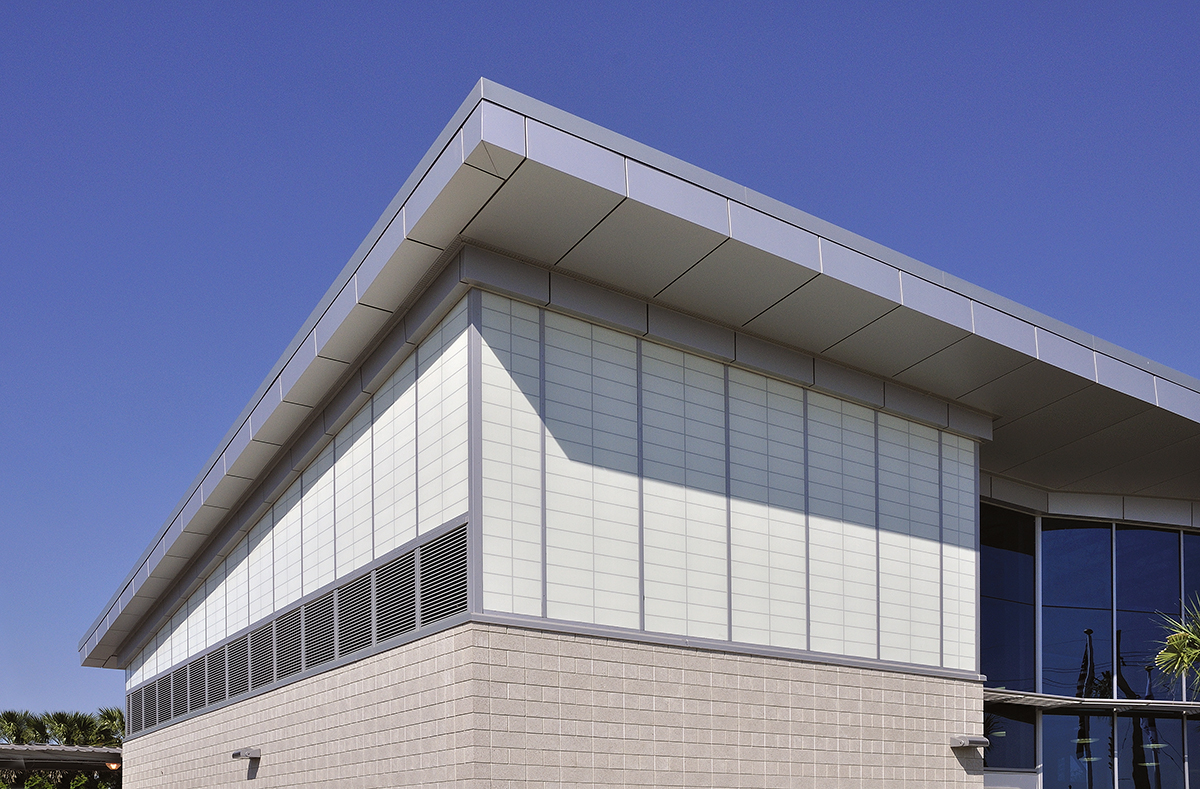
[(180, 183)]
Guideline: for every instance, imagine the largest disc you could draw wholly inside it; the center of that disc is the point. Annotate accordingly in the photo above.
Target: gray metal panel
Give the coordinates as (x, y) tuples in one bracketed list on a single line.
[(576, 157), (682, 330), (640, 249), (1125, 378), (494, 139), (505, 275), (677, 197), (963, 367), (735, 283), (1177, 399), (773, 359), (1023, 391), (540, 213), (855, 268), (895, 342), (1002, 328), (582, 298), (819, 314), (1066, 354), (903, 400), (1176, 513), (838, 380)]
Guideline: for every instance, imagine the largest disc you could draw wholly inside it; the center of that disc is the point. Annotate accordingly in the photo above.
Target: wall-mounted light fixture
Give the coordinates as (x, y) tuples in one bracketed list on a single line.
[(247, 753), (967, 741)]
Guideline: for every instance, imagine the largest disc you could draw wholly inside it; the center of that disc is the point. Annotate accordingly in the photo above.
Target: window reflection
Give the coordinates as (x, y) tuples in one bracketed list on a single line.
[(1077, 619), (1151, 752), (1077, 751), (1147, 573), (1010, 729), (1007, 598)]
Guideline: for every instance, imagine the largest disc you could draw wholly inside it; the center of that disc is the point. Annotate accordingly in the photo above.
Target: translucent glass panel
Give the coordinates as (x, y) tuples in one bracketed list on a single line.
[(684, 501), (909, 543), (591, 473), (751, 501), (960, 503), (1007, 622), (767, 520), (442, 421), (843, 592), (512, 456), (357, 501)]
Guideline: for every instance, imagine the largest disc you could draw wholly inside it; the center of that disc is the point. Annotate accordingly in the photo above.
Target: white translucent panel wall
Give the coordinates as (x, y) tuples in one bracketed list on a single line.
[(395, 459), (512, 446), (215, 589), (317, 522), (352, 494), (960, 553), (442, 421), (591, 474), (262, 568), (843, 595), (909, 547), (684, 502), (178, 651), (237, 594), (767, 520), (289, 534), (196, 632)]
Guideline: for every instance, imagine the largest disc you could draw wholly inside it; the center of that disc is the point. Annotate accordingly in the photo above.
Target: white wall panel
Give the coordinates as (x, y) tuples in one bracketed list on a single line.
[(215, 587), (512, 446), (842, 562), (591, 474), (261, 544), (442, 421), (909, 550), (395, 459), (686, 519), (317, 516), (352, 494), (288, 534), (196, 633), (237, 595), (767, 537), (959, 551)]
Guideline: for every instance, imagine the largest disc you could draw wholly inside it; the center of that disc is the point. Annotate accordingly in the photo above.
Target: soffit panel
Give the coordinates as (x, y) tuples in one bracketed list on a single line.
[(1142, 474), (895, 342), (819, 314), (963, 367), (1134, 438), (1087, 411), (640, 249), (1179, 486), (736, 282), (540, 213), (1023, 391)]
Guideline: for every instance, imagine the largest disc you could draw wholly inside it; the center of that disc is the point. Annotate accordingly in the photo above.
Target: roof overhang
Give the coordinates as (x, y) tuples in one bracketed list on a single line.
[(1069, 412), (57, 757)]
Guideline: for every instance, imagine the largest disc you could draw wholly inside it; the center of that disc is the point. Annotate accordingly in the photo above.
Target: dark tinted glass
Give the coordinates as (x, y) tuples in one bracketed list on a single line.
[(1191, 568), (1147, 575), (1077, 608), (1077, 751), (1006, 607), (1010, 729), (1151, 752), (1193, 744)]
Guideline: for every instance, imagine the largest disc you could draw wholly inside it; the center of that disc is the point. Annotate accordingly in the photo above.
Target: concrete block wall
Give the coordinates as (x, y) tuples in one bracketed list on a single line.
[(493, 706)]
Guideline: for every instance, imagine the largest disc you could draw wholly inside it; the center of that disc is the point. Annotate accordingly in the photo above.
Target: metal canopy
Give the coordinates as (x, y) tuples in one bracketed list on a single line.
[(1070, 412)]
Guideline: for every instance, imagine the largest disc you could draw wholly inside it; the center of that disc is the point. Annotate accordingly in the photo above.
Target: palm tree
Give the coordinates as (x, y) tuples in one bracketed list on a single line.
[(1180, 651), (105, 729)]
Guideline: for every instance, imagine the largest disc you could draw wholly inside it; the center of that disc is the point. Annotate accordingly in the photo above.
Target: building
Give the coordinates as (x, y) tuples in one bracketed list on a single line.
[(593, 468)]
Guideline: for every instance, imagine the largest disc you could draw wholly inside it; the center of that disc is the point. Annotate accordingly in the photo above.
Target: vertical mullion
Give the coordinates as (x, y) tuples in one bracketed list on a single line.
[(807, 528), (641, 495), (878, 562), (542, 451), (474, 450), (729, 520), (1037, 603)]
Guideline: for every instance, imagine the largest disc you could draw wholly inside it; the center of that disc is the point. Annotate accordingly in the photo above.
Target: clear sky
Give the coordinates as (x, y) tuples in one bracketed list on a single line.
[(181, 182)]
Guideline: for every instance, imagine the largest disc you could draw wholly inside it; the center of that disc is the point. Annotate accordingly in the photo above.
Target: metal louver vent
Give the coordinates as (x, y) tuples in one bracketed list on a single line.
[(216, 676), (288, 655), (395, 598), (179, 691), (405, 595), (196, 684), (164, 698), (443, 576), (318, 631), (239, 667), (262, 656), (133, 712), (354, 616)]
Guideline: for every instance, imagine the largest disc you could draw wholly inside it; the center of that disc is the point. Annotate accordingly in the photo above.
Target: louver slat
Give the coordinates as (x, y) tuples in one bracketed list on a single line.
[(179, 691), (134, 714), (163, 690), (216, 676), (239, 667), (196, 694), (288, 655), (262, 656), (318, 631), (354, 616), (395, 598), (443, 576)]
